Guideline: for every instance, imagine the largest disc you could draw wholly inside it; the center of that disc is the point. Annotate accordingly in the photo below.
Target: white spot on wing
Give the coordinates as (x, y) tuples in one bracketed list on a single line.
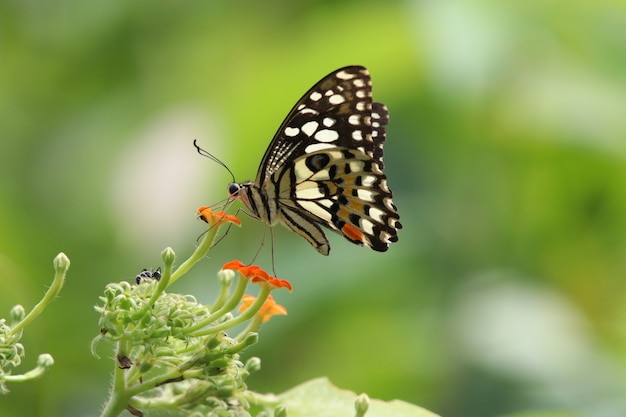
[(377, 214), (328, 121), (327, 135), (365, 195), (322, 175), (357, 135), (336, 99), (368, 180), (356, 166), (292, 131), (318, 147), (316, 210), (325, 202), (315, 96), (343, 75), (389, 204), (306, 192), (309, 128), (355, 119), (367, 226)]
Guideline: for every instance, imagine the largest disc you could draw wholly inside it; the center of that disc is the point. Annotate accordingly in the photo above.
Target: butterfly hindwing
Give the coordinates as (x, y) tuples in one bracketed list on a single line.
[(345, 190)]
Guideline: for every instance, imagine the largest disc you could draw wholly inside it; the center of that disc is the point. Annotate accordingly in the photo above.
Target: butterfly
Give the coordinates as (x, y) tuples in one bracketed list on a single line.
[(324, 167)]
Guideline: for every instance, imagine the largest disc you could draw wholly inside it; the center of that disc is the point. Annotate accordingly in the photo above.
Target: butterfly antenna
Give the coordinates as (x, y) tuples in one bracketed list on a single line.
[(212, 158)]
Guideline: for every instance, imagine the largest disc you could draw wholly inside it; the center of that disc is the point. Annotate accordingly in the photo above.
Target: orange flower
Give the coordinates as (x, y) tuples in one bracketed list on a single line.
[(270, 307), (256, 274), (219, 217)]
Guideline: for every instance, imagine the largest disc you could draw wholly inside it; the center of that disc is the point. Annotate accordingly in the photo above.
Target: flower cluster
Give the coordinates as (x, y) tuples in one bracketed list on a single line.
[(174, 352), (11, 350)]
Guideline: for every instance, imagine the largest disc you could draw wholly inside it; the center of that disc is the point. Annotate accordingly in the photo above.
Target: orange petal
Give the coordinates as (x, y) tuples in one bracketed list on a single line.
[(246, 271), (271, 308), (281, 283), (236, 265), (246, 301), (205, 213), (220, 217)]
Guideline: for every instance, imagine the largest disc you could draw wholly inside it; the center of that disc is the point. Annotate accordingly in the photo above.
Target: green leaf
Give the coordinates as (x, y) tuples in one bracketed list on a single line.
[(320, 398)]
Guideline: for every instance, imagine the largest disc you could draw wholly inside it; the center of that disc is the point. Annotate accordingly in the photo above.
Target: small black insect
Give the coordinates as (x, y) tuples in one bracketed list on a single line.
[(147, 274)]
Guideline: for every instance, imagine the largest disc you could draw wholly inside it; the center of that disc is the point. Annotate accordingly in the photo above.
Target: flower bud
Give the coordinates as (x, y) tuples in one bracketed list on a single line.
[(17, 314), (226, 277), (61, 263), (168, 256), (251, 339), (214, 341), (253, 364), (361, 404), (280, 411), (197, 390), (226, 390), (45, 360)]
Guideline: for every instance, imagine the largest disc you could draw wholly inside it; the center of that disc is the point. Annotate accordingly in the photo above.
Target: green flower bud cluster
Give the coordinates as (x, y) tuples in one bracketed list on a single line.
[(172, 352), (11, 353), (127, 313), (168, 357), (11, 350)]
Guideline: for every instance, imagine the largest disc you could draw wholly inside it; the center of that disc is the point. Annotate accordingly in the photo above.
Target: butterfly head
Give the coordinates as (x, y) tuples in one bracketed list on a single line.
[(233, 190), (248, 194)]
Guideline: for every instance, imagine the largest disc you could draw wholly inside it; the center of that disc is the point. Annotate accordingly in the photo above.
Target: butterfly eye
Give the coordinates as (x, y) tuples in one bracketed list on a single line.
[(233, 189)]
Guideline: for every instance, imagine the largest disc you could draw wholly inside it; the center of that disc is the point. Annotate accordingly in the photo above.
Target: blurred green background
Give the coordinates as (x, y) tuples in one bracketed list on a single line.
[(506, 153)]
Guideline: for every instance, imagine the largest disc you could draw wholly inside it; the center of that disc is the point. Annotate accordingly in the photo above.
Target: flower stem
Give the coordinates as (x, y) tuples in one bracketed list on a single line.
[(227, 307), (61, 265), (246, 315), (197, 255), (118, 400)]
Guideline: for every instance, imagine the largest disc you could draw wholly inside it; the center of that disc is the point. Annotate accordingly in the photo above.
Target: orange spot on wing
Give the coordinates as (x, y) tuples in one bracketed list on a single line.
[(352, 232)]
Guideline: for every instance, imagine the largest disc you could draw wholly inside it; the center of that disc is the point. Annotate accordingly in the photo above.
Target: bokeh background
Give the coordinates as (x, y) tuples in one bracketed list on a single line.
[(506, 153)]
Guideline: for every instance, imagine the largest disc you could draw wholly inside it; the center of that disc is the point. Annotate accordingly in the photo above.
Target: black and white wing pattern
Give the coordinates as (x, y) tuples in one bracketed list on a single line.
[(324, 167)]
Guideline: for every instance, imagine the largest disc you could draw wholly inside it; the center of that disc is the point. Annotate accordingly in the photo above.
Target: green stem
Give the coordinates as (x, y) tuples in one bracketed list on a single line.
[(197, 255), (163, 378), (227, 307), (253, 326), (61, 265), (119, 397), (26, 376), (225, 284), (246, 315), (168, 260)]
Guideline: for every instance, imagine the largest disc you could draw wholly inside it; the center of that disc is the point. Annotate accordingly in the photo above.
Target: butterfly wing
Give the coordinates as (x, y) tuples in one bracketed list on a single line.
[(336, 111), (325, 164)]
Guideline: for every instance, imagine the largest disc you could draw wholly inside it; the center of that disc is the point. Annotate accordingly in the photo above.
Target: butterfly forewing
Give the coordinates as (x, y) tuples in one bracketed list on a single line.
[(336, 111), (325, 166)]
